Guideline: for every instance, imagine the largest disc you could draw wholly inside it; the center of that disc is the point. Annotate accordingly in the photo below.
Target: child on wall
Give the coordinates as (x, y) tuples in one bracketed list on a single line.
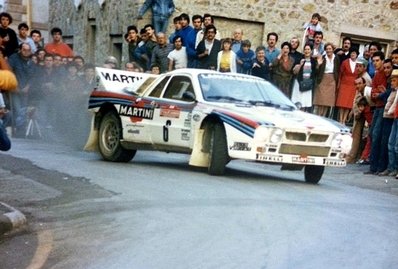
[(310, 28)]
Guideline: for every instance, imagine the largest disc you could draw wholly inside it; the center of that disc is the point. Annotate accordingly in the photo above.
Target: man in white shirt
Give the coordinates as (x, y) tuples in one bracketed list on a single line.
[(178, 57)]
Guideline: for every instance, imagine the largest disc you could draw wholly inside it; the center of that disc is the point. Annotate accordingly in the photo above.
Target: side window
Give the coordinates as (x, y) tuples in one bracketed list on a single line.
[(177, 87), (157, 91)]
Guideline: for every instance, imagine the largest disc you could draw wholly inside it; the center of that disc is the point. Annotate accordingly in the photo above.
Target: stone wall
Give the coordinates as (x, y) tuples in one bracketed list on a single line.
[(103, 22)]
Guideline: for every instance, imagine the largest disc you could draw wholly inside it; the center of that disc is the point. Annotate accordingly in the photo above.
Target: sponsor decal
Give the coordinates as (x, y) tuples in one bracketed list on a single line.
[(122, 78), (137, 112), (187, 121), (303, 159), (196, 117), (130, 131), (240, 146), (131, 126), (185, 134), (170, 112)]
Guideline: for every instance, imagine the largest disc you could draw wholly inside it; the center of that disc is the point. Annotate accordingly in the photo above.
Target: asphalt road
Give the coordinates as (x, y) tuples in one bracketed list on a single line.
[(157, 212)]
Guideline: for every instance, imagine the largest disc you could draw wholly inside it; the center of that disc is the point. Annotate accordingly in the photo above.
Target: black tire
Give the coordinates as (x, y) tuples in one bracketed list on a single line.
[(218, 151), (313, 173), (110, 133)]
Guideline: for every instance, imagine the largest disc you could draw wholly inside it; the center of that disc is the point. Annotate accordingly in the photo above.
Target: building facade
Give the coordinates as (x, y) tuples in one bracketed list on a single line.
[(95, 28), (33, 12)]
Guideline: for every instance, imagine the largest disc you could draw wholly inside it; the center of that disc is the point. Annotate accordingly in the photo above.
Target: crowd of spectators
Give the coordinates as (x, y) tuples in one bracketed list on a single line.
[(53, 83), (355, 89)]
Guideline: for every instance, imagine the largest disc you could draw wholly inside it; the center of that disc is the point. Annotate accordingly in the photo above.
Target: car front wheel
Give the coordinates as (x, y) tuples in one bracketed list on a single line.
[(109, 140), (313, 173), (218, 152)]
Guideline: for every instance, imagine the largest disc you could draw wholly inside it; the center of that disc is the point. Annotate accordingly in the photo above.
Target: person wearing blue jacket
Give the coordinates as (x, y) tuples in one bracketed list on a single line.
[(161, 11)]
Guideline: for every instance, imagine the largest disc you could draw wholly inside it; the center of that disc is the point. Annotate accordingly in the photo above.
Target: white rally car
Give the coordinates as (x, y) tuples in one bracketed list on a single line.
[(215, 117)]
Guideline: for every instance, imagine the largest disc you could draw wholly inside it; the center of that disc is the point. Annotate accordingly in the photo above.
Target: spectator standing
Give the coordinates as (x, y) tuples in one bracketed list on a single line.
[(11, 42), (140, 52), (160, 52), (361, 66), (282, 67), (197, 22), (306, 70), (177, 28), (89, 78), (207, 20), (23, 69), (244, 58), (379, 84), (271, 51), (79, 62), (344, 52), (208, 49), (40, 56), (226, 58), (260, 66), (297, 56), (359, 111), (178, 57), (394, 59), (380, 135), (133, 41), (319, 46), (44, 93), (327, 81), (373, 47), (161, 11), (188, 35), (58, 46), (3, 40), (393, 139), (37, 39), (5, 143), (346, 89), (151, 42), (237, 40), (23, 37)]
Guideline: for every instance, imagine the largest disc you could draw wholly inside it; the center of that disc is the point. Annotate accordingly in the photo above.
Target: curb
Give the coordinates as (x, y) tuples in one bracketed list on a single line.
[(11, 220)]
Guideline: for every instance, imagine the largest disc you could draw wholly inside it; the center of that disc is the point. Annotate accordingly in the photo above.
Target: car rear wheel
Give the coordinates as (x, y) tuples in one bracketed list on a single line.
[(109, 140), (218, 152), (313, 173)]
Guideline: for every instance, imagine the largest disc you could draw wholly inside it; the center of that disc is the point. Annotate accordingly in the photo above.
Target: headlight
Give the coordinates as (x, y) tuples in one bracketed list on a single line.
[(346, 144), (276, 136), (262, 134), (337, 140), (343, 142)]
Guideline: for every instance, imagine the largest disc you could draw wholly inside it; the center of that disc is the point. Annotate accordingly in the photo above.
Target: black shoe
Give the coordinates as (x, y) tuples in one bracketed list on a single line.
[(370, 173)]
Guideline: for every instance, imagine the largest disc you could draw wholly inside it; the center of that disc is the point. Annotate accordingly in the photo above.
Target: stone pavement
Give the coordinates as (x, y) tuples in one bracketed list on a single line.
[(18, 191)]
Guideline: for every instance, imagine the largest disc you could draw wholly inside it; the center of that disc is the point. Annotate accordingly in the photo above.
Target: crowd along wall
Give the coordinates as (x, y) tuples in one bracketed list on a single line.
[(96, 27)]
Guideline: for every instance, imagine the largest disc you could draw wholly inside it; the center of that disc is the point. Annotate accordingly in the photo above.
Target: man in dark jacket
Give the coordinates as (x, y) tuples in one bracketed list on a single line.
[(208, 49)]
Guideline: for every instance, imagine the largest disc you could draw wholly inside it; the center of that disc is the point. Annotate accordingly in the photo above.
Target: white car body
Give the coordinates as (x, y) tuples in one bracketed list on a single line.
[(157, 113)]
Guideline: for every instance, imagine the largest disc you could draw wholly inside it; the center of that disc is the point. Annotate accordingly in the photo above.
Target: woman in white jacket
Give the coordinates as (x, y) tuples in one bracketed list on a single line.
[(226, 58)]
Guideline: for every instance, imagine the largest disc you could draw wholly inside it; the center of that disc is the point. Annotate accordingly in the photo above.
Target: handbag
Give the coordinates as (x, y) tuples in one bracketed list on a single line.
[(306, 85)]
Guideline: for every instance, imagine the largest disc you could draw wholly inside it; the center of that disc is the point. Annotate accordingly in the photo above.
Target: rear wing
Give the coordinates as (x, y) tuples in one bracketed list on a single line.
[(120, 81)]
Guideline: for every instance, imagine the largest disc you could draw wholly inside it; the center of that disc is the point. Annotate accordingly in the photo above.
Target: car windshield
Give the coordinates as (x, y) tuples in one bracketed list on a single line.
[(231, 88)]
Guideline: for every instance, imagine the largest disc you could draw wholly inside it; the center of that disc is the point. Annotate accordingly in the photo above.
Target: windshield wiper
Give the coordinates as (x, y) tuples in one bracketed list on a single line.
[(271, 104), (263, 103), (221, 97)]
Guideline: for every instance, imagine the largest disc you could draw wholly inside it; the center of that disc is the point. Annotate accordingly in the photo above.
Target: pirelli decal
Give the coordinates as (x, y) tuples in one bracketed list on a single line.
[(138, 112)]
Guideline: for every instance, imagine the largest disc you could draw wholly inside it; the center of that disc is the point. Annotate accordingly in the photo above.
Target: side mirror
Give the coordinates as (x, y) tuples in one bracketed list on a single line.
[(188, 96)]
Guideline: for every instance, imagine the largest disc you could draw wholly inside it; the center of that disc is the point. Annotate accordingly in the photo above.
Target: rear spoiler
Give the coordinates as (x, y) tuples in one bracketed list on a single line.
[(120, 81)]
